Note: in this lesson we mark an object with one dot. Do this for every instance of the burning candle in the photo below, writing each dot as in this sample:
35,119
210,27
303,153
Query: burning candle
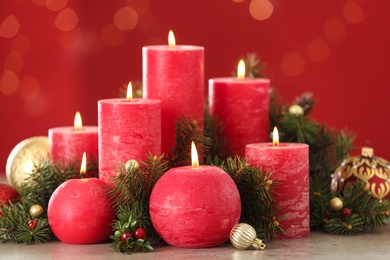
129,129
289,164
195,206
242,104
67,143
79,212
175,75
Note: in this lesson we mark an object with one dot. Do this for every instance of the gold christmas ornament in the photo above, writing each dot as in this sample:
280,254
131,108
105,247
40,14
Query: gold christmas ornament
131,164
373,170
336,204
243,236
296,110
36,211
21,160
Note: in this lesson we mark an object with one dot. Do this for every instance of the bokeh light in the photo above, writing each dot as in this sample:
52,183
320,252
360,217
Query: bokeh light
318,50
40,2
112,36
35,107
353,12
126,18
142,7
238,1
21,44
92,43
56,5
334,29
9,27
13,62
261,9
9,83
29,88
66,20
71,39
293,64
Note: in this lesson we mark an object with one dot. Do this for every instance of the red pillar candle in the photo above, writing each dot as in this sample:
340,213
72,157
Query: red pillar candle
68,143
289,164
195,206
128,129
242,104
175,75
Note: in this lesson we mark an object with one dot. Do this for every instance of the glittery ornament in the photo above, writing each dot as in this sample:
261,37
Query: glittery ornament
373,170
295,110
21,160
336,204
36,211
243,236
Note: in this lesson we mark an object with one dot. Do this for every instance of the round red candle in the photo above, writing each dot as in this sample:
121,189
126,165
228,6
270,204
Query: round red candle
289,164
195,207
175,75
79,212
129,129
243,107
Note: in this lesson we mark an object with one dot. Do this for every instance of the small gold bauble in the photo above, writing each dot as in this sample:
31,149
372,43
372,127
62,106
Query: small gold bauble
21,160
131,164
243,236
296,110
36,211
336,204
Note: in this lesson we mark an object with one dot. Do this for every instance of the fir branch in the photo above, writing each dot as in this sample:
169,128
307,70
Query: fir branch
306,101
41,234
253,66
350,226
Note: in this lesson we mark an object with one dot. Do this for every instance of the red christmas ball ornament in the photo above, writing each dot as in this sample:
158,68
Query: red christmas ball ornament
79,212
140,233
373,170
8,194
32,224
195,206
345,212
125,235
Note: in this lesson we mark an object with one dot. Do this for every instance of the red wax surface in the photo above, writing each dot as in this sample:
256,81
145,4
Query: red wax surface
289,163
68,144
128,130
80,213
175,75
195,207
243,107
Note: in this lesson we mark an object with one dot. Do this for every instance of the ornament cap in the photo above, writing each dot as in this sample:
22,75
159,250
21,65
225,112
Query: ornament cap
258,244
367,152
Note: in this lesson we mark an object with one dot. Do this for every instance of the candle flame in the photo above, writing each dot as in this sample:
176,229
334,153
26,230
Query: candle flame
171,38
83,168
129,94
78,123
194,155
275,139
241,70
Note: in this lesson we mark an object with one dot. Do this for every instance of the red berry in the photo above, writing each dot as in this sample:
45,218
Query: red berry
125,235
140,233
346,212
32,224
326,213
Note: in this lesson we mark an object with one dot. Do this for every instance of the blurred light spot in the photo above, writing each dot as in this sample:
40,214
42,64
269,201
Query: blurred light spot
9,83
293,64
35,107
334,29
56,5
238,1
13,62
261,9
140,6
9,27
318,50
112,36
29,88
126,18
66,20
353,12
40,2
92,43
71,39
21,44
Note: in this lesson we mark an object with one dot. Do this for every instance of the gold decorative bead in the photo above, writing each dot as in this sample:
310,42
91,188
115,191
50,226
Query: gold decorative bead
243,236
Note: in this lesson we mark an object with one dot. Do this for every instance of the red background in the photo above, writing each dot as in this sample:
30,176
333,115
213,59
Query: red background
339,50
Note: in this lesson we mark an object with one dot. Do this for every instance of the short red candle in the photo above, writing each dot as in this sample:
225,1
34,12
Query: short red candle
129,129
289,164
67,144
195,207
175,75
243,107
80,213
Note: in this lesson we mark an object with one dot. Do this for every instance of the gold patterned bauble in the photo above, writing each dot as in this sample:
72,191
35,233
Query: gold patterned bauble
36,211
296,110
336,204
21,160
373,170
243,236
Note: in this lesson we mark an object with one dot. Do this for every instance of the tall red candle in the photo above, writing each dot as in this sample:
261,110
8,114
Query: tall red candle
129,129
175,75
68,143
289,164
242,104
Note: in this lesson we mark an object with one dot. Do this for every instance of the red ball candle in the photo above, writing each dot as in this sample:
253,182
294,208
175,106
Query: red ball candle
242,104
79,212
195,206
289,164
68,143
129,129
175,75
